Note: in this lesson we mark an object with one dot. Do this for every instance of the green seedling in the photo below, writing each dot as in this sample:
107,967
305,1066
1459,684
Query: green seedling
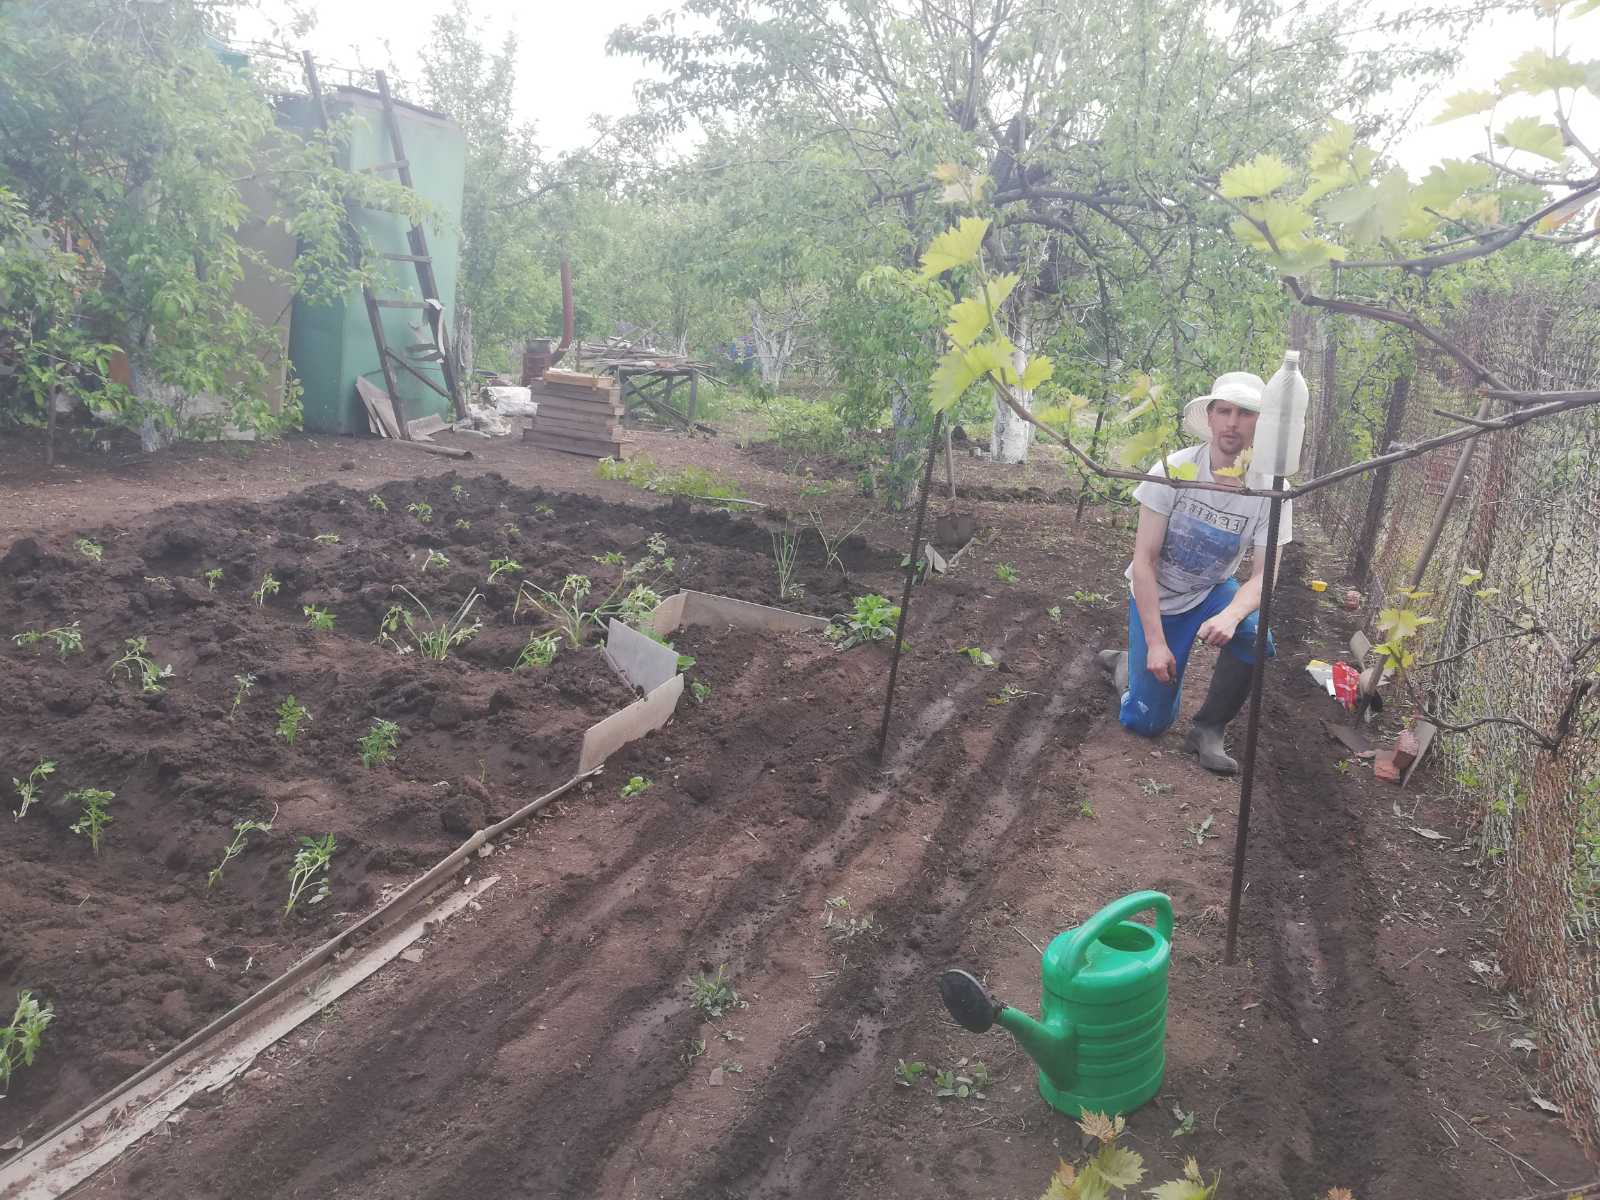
832,542
634,787
30,790
1154,787
1009,693
422,511
785,558
93,551
963,1081
269,587
461,523
510,530
849,928
20,1040
378,746
326,539
979,656
241,831
1202,831
435,639
310,870
1185,1120
502,566
906,1073
713,995
1089,599
543,510
1054,613
836,902
1087,810
318,618
700,690
1006,573
459,492
872,620
68,638
434,559
93,816
212,578
539,652
136,663
291,714
611,558
376,503
242,686
568,615
920,573
693,1048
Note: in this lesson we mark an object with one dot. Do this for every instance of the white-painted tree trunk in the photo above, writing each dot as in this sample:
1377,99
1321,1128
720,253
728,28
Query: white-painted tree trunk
1011,436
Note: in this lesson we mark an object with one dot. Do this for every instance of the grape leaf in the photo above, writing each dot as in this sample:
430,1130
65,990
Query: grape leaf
1534,136
1446,182
1466,104
951,380
1186,470
1350,204
1260,177
954,247
1101,1127
1181,1189
1332,149
1039,369
1119,1166
1536,71
969,317
1062,1183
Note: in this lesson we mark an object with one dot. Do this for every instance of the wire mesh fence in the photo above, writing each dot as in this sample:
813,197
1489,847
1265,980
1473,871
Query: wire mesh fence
1515,593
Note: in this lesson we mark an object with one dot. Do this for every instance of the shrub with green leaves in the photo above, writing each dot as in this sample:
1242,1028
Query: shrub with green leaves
242,686
422,511
291,714
539,652
1114,1169
502,566
318,618
635,786
21,1039
93,551
713,994
434,559
376,503
872,620
29,790
310,870
212,578
378,746
433,639
93,815
68,639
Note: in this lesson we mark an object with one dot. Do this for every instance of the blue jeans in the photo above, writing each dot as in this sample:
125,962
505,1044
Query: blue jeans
1150,706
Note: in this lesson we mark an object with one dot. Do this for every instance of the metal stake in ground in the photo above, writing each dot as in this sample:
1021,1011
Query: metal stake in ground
1247,767
911,578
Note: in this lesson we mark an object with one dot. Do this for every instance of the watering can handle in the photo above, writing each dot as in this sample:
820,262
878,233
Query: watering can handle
1119,910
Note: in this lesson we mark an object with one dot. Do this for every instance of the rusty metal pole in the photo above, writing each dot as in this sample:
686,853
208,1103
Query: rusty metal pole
911,578
1247,768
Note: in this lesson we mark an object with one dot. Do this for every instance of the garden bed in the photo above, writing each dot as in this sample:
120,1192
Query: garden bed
131,947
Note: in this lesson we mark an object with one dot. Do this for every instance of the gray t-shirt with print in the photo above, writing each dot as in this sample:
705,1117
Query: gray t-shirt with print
1207,532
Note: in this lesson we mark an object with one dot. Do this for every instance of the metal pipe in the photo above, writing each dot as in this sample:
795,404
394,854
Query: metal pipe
911,576
1248,766
566,312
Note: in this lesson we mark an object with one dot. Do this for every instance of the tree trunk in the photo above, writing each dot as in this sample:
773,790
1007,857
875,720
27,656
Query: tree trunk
900,481
1011,436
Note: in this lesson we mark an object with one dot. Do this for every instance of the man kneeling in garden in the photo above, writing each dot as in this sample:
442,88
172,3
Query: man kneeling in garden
1190,543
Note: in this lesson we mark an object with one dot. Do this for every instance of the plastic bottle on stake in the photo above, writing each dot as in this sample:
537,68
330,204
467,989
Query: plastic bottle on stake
1282,427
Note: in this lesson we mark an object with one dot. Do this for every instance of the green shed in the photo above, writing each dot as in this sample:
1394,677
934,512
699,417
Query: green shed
331,345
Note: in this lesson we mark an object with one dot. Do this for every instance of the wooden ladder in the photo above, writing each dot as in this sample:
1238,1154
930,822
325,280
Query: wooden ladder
430,305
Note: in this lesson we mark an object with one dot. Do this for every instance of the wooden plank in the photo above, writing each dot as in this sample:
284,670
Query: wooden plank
436,448
399,303
607,430
379,406
587,447
576,379
590,416
611,399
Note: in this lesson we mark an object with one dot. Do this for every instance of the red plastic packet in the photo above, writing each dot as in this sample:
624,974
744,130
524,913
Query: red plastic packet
1345,680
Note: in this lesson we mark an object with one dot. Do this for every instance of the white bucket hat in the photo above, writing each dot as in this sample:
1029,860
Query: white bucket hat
1236,387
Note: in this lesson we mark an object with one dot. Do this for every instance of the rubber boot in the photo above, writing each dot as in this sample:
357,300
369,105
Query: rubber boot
1115,663
1230,688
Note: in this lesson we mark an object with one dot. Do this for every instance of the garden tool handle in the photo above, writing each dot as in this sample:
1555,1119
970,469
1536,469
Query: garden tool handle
1119,910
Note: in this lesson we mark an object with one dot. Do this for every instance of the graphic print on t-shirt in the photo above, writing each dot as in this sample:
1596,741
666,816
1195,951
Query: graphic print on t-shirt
1203,545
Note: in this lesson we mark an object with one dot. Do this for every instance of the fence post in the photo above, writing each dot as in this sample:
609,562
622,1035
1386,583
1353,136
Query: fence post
1380,480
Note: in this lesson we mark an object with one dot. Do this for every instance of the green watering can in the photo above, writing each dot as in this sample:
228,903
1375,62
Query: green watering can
1101,1045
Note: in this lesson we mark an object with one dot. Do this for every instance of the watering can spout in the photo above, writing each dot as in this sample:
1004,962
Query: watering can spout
1051,1045
1053,1048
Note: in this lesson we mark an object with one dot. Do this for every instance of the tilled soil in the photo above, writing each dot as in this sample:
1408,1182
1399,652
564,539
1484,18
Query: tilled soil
546,1045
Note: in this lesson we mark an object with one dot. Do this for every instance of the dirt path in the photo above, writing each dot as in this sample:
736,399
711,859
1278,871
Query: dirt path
546,1045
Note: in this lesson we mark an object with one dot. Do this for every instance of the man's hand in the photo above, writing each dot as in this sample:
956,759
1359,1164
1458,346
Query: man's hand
1158,660
1218,630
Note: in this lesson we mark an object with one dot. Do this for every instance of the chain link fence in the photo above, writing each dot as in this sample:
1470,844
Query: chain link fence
1527,516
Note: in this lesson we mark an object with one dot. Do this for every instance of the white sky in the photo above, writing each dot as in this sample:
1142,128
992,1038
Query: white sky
565,74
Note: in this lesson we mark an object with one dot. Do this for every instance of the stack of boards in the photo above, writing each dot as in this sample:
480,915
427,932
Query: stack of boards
579,414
